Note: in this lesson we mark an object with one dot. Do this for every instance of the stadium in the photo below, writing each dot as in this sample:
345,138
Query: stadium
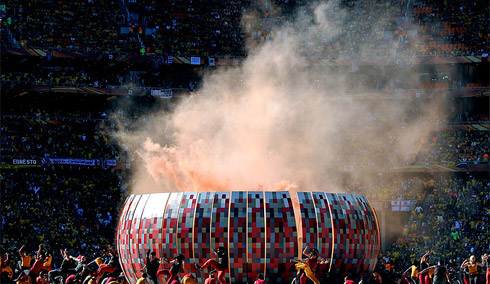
244,141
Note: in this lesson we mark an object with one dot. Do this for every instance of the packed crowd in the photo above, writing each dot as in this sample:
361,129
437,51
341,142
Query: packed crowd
451,222
449,148
77,25
373,28
52,135
127,26
191,28
96,73
82,215
158,73
361,28
388,187
90,197
461,26
69,76
25,136
35,126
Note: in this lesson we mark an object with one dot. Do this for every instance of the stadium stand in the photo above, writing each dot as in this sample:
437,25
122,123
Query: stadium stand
66,63
382,28
451,223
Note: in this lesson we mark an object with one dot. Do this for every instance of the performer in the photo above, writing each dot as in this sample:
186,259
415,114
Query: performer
436,273
173,273
377,278
67,267
427,274
347,280
414,270
43,277
306,269
5,269
221,264
424,263
485,259
25,259
260,279
152,265
38,263
188,279
143,280
109,266
210,279
472,266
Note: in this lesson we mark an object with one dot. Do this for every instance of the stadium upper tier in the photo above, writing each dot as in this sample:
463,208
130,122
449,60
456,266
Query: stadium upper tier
40,127
234,27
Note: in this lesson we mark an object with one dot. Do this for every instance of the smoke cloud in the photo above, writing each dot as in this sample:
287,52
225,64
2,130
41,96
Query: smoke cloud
276,122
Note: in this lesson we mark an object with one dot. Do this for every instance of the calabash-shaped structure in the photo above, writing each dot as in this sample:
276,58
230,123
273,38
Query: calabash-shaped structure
259,230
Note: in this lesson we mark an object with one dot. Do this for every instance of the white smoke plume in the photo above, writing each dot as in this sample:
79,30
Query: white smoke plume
278,122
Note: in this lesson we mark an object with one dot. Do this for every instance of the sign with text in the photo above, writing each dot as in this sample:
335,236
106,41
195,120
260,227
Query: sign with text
165,93
76,162
25,162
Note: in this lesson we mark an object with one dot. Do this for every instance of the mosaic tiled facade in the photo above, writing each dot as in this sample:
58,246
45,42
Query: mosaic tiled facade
238,237
256,235
258,229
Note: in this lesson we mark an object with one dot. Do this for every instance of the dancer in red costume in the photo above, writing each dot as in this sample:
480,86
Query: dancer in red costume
220,265
173,272
424,264
485,259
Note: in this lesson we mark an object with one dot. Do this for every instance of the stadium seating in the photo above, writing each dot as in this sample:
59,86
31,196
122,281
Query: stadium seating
451,224
372,28
75,206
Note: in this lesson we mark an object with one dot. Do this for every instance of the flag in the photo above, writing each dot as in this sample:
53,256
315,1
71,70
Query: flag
195,60
395,205
405,206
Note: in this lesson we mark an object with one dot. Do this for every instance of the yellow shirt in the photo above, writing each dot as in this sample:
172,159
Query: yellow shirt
473,269
47,262
431,271
188,280
415,270
99,261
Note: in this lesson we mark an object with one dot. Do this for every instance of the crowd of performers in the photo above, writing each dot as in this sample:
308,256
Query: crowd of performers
219,267
38,269
305,269
467,272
